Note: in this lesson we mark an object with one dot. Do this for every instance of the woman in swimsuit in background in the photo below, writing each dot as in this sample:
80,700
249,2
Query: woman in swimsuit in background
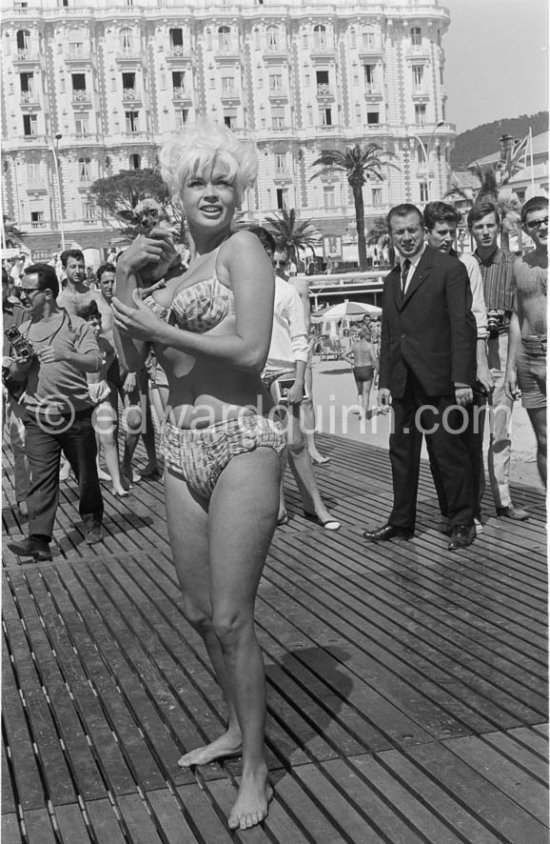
210,328
364,363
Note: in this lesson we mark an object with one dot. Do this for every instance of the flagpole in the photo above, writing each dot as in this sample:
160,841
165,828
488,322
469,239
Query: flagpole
532,168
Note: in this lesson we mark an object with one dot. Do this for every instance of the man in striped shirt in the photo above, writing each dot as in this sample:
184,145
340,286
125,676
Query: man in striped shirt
497,271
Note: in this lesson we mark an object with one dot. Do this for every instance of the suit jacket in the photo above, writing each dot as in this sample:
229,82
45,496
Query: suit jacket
431,330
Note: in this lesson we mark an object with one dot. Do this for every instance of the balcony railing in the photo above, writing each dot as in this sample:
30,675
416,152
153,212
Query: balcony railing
324,90
81,97
27,54
130,95
28,98
80,54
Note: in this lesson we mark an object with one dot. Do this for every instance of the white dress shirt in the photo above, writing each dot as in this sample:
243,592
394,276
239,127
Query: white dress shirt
289,336
412,269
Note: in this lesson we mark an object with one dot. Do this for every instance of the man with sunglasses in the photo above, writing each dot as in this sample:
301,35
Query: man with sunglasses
57,411
526,367
497,270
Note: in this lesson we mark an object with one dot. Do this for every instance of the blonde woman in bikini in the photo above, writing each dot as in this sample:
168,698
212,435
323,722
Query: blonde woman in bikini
210,328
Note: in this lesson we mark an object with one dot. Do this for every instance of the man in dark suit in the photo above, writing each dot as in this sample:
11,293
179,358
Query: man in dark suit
427,369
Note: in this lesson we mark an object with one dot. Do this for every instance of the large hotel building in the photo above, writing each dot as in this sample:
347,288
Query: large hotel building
89,89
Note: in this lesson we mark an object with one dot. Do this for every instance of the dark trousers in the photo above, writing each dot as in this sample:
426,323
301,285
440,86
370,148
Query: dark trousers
44,444
473,438
435,417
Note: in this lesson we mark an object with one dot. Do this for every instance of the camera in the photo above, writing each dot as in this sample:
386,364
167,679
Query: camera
20,344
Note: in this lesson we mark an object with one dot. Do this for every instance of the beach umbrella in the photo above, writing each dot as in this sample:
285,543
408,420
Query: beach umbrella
351,309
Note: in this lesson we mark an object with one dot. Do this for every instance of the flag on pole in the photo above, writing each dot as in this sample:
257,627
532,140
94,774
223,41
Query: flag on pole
518,158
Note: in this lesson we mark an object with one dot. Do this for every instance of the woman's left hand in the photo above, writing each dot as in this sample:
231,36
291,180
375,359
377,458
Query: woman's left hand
139,322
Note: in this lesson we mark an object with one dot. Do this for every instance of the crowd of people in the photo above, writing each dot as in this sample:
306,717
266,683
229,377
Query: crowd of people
220,347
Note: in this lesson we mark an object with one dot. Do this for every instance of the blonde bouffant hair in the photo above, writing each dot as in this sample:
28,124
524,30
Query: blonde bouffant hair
194,151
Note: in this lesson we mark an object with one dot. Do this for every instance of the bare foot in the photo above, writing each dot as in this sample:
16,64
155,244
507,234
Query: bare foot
251,805
222,748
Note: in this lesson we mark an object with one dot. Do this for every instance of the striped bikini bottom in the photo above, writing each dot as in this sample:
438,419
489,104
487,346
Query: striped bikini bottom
199,455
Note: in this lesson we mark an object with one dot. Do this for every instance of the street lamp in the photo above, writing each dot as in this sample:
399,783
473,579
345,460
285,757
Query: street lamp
426,150
58,186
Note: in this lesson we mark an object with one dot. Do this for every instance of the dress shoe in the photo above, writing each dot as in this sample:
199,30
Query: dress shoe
37,548
386,532
512,512
461,537
93,534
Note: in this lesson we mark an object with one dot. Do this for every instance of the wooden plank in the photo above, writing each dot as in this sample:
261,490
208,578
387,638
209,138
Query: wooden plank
171,818
500,814
223,794
525,747
203,815
138,822
29,788
71,825
38,827
11,832
510,777
105,822
8,797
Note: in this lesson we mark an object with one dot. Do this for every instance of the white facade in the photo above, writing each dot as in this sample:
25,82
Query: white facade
97,90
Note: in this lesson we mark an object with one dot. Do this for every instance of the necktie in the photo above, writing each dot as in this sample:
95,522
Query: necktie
405,267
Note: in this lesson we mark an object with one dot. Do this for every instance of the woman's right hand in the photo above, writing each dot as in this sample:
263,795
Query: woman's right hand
151,255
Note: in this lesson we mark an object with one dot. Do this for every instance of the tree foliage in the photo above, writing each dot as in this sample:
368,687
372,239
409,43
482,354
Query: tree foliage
360,164
117,197
295,234
12,235
476,143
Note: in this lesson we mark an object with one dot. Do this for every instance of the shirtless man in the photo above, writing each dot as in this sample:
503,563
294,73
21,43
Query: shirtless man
526,364
76,293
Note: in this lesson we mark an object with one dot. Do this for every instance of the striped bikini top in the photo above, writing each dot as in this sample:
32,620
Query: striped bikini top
198,307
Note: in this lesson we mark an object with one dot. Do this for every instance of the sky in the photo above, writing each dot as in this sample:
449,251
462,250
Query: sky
496,60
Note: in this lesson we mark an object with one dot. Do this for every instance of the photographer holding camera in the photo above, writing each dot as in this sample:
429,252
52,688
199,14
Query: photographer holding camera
51,356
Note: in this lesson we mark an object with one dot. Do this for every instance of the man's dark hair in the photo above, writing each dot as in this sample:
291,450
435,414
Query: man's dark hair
440,212
71,253
88,311
105,268
403,210
264,236
480,210
47,277
536,203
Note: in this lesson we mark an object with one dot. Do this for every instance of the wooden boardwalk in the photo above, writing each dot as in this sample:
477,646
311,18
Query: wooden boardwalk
406,685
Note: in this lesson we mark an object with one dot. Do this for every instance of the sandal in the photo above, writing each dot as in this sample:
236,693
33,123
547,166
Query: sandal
328,524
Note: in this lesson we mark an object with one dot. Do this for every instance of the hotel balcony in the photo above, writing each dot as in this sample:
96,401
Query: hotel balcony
373,92
131,97
324,92
29,101
420,94
176,54
28,56
81,56
81,98
182,97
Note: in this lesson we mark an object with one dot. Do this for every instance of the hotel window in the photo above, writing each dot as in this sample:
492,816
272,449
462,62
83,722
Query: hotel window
272,33
373,118
81,125
176,41
135,161
23,39
322,81
368,39
181,117
377,197
128,84
423,191
78,84
420,114
30,125
76,43
370,76
230,117
84,169
325,117
319,37
418,77
328,197
33,172
37,219
280,162
88,211
126,41
27,85
224,38
278,117
228,86
281,198
275,82
132,122
416,36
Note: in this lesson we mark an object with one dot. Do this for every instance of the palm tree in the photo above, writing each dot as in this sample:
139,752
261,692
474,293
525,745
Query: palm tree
294,234
359,164
13,237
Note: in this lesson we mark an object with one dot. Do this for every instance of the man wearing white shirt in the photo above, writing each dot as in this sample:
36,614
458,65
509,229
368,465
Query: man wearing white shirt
286,360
